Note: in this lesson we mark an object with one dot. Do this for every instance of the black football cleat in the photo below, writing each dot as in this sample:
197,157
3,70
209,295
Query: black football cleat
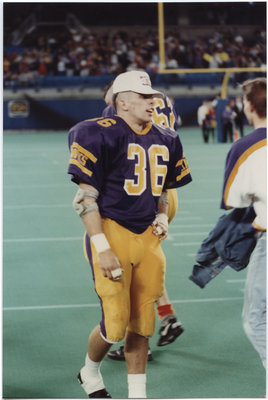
119,354
170,330
100,394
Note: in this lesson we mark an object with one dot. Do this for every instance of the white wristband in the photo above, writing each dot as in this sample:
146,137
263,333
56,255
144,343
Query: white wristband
100,242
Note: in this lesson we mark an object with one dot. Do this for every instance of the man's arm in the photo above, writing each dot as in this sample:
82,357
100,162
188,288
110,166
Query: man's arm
92,221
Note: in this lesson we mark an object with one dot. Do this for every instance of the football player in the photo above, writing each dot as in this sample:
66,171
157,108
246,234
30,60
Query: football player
124,166
165,115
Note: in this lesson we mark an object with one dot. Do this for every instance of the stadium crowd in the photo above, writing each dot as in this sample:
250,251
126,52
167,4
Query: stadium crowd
93,54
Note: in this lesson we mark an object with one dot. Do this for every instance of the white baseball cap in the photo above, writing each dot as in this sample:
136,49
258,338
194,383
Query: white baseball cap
134,81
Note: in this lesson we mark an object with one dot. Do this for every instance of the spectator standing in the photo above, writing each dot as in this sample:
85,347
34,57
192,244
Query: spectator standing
245,184
228,117
240,116
203,121
212,121
61,65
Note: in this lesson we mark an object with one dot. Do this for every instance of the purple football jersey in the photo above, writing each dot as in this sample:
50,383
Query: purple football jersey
128,168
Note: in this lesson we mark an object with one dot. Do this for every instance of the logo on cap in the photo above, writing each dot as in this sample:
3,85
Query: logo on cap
145,80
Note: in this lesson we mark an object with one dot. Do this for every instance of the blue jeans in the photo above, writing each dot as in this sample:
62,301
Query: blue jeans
254,309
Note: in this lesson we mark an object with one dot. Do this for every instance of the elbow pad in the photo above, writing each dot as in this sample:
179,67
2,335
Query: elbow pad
86,207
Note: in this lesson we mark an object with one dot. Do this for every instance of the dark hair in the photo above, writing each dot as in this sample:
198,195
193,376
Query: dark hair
107,88
255,92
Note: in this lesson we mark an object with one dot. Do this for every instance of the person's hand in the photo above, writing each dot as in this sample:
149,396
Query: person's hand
160,226
110,265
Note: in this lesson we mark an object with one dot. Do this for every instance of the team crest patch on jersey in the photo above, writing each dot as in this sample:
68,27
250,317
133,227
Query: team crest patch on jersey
183,168
79,157
81,154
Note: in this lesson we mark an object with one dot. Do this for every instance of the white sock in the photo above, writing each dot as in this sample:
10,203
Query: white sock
91,366
136,386
91,376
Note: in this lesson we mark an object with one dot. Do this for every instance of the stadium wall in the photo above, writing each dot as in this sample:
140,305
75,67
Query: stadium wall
59,110
62,114
49,114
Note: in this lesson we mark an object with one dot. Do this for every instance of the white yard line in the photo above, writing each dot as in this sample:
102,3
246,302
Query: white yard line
187,233
30,206
179,226
37,185
51,239
208,200
66,239
181,244
64,306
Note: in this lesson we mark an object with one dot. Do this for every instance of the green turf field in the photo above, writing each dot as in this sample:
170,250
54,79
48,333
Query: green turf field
49,301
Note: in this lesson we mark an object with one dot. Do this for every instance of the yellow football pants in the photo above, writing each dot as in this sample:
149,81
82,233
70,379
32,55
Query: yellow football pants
129,303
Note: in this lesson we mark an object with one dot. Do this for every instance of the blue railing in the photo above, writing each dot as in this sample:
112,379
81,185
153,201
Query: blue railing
61,82
166,80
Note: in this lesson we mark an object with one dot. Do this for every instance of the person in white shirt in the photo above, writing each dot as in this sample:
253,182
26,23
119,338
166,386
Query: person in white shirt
202,113
245,184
